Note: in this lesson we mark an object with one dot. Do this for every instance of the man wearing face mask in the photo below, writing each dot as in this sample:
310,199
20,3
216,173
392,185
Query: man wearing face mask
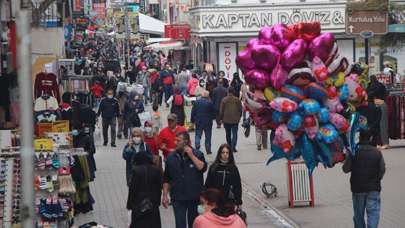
135,145
183,178
109,111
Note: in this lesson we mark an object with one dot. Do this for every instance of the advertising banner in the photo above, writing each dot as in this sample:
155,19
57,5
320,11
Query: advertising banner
226,58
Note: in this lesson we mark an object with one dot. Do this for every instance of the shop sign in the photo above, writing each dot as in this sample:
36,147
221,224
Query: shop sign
251,19
177,31
372,21
226,58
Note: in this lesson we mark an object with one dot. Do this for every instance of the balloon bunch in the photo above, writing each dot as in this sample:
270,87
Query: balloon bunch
301,88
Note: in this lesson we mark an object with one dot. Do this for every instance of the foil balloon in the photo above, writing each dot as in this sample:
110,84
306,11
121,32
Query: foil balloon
252,42
308,31
340,123
259,78
283,138
278,153
308,153
324,153
265,56
323,115
344,93
311,126
310,106
283,104
252,104
270,94
265,35
354,132
278,76
321,46
295,122
293,92
327,133
333,101
278,117
244,60
319,69
337,148
356,92
300,76
316,91
281,36
294,54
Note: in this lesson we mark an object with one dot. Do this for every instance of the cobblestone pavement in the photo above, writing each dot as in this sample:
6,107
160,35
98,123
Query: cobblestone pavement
333,205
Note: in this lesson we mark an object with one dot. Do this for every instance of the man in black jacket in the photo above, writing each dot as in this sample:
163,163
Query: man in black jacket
217,96
367,168
109,111
184,179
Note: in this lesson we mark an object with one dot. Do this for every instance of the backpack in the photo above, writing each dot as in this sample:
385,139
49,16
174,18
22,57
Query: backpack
178,100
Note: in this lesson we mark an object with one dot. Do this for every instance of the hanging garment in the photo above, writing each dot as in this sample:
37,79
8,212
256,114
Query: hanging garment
46,83
44,103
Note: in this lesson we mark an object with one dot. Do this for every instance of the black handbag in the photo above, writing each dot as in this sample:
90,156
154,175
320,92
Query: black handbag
145,207
246,127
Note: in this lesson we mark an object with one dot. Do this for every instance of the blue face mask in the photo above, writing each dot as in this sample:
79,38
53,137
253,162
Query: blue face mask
75,132
200,209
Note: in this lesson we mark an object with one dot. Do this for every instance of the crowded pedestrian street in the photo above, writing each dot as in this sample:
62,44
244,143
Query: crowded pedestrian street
202,114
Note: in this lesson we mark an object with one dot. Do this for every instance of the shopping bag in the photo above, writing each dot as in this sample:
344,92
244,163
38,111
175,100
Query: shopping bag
97,134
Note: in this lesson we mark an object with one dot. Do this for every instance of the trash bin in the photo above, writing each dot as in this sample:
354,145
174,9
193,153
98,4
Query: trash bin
300,184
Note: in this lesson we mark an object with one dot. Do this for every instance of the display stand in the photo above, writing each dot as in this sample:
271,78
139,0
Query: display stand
300,184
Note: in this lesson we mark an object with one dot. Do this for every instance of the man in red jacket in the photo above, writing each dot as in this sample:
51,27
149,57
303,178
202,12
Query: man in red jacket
167,136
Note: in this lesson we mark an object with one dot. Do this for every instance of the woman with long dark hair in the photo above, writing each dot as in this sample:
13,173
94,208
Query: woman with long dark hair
223,174
236,83
215,212
377,93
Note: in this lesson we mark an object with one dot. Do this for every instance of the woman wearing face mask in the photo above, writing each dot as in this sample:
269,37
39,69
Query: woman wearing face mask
135,145
223,174
200,88
151,140
215,212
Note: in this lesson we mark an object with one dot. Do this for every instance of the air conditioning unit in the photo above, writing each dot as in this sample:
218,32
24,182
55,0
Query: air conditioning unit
263,1
234,1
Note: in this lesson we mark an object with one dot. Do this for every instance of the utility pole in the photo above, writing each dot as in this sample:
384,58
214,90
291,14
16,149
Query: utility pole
26,122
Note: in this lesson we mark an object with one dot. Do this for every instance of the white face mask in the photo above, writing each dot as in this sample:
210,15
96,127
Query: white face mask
200,209
148,129
137,140
110,96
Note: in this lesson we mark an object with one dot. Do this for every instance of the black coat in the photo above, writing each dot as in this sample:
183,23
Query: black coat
367,168
225,177
218,95
146,182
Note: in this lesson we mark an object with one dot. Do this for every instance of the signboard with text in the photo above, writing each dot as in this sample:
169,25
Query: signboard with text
226,58
371,21
243,20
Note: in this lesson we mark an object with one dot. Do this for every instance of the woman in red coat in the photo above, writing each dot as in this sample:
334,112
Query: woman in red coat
151,138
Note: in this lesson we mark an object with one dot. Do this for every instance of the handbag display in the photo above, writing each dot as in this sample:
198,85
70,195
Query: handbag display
145,207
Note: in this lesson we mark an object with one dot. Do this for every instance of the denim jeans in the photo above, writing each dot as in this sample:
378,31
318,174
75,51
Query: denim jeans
207,132
168,90
146,94
231,131
369,202
185,211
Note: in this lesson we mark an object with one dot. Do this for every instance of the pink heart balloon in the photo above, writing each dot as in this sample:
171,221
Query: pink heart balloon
322,46
278,77
244,60
252,42
265,56
294,54
281,36
259,78
265,35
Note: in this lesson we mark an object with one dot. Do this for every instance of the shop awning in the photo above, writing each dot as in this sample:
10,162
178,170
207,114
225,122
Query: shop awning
151,25
157,40
170,45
